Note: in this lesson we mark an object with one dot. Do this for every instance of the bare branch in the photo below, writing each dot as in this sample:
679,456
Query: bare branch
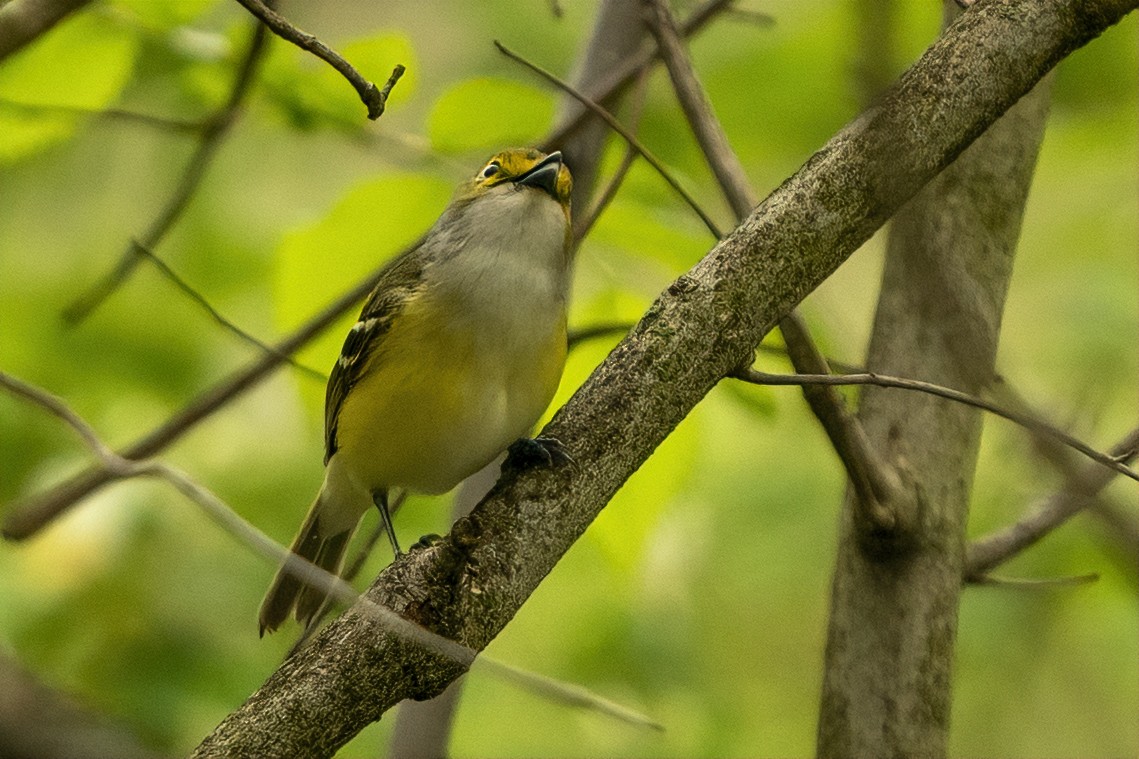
605,329
375,98
986,553
881,380
146,119
1023,583
583,223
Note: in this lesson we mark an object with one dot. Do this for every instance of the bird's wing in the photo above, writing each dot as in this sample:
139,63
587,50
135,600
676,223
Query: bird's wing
397,284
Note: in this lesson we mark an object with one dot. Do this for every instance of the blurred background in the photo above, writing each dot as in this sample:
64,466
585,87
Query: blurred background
700,595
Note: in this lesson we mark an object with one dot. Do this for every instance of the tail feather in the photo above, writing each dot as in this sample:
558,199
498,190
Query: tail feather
287,592
329,556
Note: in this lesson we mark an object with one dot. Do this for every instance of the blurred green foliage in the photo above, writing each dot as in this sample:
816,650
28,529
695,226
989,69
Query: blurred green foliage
700,595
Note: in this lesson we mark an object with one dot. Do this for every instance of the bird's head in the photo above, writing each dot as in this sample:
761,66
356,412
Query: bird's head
521,170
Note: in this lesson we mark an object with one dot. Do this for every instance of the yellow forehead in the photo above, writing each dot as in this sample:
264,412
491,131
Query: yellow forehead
516,161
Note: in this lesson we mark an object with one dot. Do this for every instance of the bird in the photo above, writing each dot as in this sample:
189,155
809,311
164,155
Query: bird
458,351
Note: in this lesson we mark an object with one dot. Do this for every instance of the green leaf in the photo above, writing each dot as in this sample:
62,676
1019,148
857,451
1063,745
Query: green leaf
486,114
81,64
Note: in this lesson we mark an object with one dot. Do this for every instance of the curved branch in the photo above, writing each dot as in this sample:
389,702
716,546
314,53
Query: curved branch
988,552
1113,461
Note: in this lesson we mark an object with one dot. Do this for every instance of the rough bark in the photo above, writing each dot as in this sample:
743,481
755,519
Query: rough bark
471,583
893,620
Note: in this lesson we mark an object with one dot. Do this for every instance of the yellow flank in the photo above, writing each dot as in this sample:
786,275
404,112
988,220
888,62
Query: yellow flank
442,397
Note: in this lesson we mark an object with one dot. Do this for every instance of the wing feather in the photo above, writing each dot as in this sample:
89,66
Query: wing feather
397,283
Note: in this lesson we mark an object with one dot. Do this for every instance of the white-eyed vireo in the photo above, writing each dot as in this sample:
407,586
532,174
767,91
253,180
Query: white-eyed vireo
458,351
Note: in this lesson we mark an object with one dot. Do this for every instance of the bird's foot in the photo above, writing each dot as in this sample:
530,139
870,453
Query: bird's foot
546,451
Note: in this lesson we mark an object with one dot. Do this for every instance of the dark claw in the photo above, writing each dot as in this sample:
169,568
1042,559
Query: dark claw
547,451
427,541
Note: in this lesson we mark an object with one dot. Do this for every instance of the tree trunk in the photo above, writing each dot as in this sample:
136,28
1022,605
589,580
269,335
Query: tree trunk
889,657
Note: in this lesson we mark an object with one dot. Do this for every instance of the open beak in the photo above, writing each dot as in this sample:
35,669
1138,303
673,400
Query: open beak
544,175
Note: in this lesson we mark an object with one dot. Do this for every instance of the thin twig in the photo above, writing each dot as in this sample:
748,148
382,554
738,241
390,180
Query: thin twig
567,693
375,98
620,129
1081,489
583,223
59,409
758,18
217,316
210,139
877,485
881,380
605,329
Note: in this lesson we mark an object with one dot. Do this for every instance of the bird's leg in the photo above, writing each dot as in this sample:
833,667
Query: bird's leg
547,451
380,498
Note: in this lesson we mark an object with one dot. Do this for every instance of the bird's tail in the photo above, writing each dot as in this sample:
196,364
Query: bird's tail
291,594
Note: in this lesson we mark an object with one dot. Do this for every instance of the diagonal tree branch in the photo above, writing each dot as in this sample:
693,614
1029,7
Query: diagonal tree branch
1082,486
470,584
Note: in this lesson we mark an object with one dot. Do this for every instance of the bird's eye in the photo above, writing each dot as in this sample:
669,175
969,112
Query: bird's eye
490,170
